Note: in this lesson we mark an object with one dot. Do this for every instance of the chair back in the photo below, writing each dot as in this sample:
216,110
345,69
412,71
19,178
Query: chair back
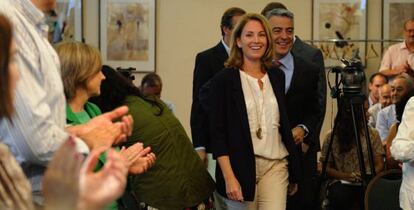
383,191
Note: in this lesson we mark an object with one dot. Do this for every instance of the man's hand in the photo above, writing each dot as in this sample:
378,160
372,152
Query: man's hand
125,125
298,134
203,156
102,131
292,188
401,68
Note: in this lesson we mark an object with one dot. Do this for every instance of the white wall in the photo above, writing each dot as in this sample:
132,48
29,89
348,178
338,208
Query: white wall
186,27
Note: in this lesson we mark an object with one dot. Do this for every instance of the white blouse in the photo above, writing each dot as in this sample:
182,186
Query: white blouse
261,105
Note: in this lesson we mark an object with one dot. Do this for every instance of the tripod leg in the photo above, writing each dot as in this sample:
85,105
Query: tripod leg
357,138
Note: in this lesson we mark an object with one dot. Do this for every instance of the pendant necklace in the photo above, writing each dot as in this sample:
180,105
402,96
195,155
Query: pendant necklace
258,115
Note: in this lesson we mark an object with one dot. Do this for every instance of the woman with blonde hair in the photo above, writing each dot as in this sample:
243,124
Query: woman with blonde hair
81,67
250,133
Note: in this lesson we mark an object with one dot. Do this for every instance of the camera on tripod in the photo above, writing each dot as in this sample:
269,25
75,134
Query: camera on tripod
352,78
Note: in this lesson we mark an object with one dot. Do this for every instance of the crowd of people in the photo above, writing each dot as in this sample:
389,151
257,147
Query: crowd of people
77,134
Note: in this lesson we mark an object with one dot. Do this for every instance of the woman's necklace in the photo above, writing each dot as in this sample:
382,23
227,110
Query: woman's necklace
259,115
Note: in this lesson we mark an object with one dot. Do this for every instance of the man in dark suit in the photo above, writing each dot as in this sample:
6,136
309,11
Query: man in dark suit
310,54
207,64
302,102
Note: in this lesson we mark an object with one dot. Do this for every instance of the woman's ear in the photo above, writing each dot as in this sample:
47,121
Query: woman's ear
238,42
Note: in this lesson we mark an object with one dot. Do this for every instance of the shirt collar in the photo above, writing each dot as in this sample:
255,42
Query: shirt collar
225,47
30,11
287,60
403,46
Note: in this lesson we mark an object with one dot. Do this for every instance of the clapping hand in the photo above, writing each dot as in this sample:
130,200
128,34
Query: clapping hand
98,189
138,159
61,180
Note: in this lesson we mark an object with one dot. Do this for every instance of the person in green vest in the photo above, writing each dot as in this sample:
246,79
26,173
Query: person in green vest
178,179
81,75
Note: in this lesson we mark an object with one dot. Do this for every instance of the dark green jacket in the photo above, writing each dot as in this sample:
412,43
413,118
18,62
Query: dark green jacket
178,178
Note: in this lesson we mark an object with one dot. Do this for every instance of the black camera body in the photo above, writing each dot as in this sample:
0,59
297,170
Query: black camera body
127,72
352,76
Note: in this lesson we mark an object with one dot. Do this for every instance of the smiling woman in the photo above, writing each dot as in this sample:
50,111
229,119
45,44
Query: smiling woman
256,158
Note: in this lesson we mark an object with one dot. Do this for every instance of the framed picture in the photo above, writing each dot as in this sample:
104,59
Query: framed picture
127,34
340,27
65,22
396,12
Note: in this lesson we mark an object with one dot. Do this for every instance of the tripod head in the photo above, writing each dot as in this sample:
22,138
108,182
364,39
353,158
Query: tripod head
352,78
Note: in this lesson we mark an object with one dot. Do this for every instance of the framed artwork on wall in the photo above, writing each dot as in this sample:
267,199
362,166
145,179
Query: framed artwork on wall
65,22
396,12
338,25
127,34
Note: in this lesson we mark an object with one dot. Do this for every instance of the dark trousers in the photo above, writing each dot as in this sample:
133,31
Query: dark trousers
307,197
345,197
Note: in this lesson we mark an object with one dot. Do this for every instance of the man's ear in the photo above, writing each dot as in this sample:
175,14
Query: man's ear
226,30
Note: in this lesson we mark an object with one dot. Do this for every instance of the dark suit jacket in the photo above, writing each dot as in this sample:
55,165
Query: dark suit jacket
230,132
314,55
303,108
207,64
302,99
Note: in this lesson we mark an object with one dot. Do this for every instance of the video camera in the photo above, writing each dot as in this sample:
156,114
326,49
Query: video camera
352,78
127,72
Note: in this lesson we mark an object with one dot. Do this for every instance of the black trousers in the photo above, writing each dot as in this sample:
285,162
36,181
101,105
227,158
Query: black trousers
345,197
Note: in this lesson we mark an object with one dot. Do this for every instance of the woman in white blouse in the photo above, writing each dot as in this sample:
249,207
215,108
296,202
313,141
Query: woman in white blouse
250,134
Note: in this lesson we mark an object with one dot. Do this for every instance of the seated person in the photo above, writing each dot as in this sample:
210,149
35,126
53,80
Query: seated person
375,82
178,178
386,117
399,109
151,84
384,101
345,191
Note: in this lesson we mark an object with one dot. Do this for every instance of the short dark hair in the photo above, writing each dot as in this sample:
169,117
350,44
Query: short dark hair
371,78
151,80
271,6
280,13
226,19
6,102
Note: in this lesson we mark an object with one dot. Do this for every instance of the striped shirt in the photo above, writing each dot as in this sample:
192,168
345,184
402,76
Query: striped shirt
37,128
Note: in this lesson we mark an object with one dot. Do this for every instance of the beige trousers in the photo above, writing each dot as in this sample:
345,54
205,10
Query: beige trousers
271,185
271,188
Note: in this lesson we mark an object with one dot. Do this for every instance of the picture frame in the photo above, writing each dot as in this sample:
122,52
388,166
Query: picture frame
339,27
395,13
127,34
66,22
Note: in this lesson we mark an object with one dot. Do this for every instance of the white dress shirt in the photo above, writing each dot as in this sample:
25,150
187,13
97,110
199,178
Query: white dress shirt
37,128
402,149
271,145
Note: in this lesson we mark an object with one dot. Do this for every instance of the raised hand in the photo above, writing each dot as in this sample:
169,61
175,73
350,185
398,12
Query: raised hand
61,180
98,189
139,159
